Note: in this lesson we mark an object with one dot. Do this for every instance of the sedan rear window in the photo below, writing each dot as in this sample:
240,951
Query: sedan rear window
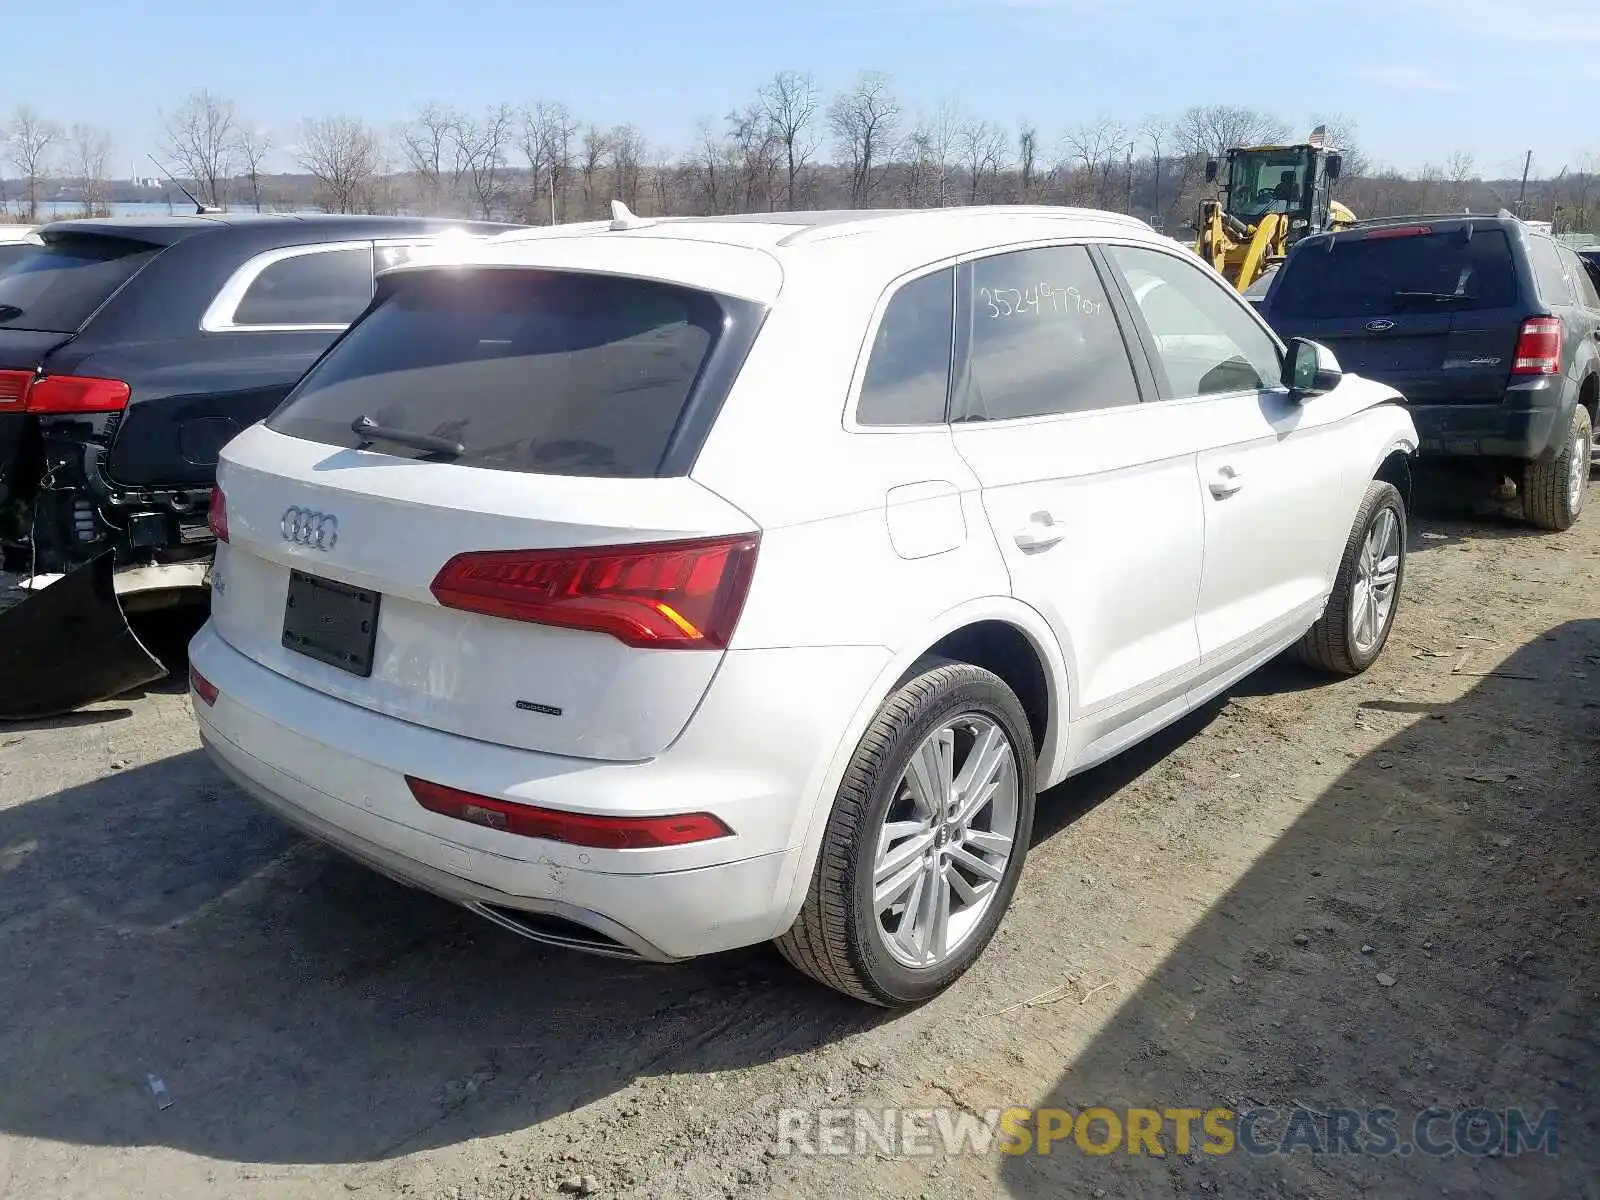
1433,272
56,287
547,372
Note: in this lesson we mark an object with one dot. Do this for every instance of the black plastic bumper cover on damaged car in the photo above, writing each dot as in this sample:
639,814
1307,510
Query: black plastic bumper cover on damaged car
69,644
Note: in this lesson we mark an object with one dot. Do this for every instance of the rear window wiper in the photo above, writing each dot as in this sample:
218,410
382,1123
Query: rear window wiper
1436,297
370,431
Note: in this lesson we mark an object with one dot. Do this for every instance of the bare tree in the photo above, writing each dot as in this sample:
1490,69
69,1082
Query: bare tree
710,167
1027,163
91,148
433,148
200,135
1208,130
982,146
345,156
1342,135
591,159
790,102
483,146
1458,170
1094,148
30,141
252,143
547,133
756,149
1155,132
627,163
865,120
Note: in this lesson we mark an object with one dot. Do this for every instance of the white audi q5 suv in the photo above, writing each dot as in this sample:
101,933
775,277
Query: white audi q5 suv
679,584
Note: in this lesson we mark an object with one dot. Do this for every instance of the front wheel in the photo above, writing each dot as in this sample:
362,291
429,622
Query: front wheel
925,843
1366,593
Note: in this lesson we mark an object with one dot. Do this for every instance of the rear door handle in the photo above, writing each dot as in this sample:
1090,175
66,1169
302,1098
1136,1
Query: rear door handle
1226,482
1040,533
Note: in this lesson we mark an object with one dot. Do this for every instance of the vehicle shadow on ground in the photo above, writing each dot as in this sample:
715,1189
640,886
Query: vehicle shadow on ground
1423,935
300,1008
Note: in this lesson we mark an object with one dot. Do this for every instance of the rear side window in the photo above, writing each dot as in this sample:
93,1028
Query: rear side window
1582,283
1044,338
56,287
1550,271
908,372
548,372
327,287
1361,277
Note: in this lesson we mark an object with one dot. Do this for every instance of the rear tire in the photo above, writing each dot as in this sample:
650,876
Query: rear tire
1366,593
886,849
1553,491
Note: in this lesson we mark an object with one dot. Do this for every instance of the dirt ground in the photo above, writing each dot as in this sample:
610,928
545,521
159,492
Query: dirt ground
1375,893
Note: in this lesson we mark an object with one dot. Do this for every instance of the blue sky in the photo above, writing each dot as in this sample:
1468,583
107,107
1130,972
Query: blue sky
1421,78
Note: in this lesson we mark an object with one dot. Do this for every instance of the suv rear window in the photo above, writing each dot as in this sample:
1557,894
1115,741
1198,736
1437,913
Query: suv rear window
555,373
56,287
1423,272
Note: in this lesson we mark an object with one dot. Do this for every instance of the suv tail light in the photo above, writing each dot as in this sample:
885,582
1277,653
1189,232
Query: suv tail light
14,389
217,517
1538,347
673,595
1394,231
67,395
576,829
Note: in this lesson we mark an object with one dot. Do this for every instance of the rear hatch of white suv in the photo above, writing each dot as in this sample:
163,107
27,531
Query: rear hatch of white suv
474,513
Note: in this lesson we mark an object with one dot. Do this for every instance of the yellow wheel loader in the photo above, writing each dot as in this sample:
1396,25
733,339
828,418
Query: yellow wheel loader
1272,197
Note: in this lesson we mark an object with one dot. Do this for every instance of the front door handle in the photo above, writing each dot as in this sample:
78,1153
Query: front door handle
1226,482
1040,533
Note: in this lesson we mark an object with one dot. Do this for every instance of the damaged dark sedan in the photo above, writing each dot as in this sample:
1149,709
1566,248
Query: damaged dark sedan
131,351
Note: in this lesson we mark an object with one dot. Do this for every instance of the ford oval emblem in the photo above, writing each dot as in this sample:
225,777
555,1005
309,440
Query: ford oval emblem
1380,326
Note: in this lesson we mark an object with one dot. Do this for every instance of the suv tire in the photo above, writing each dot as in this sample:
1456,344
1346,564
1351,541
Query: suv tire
949,713
1554,489
1374,559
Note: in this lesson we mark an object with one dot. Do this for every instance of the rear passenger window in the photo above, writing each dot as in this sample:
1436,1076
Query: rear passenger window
327,287
908,373
1582,282
1547,268
1044,338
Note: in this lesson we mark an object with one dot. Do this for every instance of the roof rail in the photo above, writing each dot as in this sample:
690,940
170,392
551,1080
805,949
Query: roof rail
825,232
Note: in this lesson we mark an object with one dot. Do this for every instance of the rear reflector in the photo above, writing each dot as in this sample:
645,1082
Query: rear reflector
217,518
14,389
1394,231
1538,347
671,595
576,829
67,395
203,687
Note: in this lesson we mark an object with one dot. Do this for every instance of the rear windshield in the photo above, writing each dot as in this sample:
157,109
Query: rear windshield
555,373
1420,273
57,287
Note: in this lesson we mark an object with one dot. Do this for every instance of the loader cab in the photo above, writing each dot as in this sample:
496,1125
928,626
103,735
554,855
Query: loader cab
1293,180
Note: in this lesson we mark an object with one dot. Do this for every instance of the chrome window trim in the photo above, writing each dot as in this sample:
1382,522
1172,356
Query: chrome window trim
219,315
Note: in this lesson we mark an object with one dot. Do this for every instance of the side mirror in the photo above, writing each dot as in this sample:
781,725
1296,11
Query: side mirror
1335,165
1310,369
1211,170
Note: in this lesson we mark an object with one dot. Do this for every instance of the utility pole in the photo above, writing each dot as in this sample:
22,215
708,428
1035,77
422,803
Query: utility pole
552,197
1130,179
1522,195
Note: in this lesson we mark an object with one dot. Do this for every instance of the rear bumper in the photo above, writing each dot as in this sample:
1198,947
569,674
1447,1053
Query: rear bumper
338,771
1527,425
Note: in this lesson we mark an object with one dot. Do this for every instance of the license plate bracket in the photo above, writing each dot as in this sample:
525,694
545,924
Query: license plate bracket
331,622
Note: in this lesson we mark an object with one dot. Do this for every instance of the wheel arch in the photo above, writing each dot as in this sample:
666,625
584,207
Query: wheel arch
1000,630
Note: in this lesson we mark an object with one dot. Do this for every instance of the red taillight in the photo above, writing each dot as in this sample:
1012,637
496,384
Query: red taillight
577,829
14,389
1394,231
673,595
203,687
1538,347
66,395
217,518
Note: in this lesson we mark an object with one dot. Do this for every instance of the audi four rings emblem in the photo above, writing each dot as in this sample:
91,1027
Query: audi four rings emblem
317,530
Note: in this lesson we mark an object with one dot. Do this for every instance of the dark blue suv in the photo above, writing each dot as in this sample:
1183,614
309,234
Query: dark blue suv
1489,328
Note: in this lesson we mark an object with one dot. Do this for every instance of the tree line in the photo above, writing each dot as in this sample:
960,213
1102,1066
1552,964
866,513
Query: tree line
789,146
